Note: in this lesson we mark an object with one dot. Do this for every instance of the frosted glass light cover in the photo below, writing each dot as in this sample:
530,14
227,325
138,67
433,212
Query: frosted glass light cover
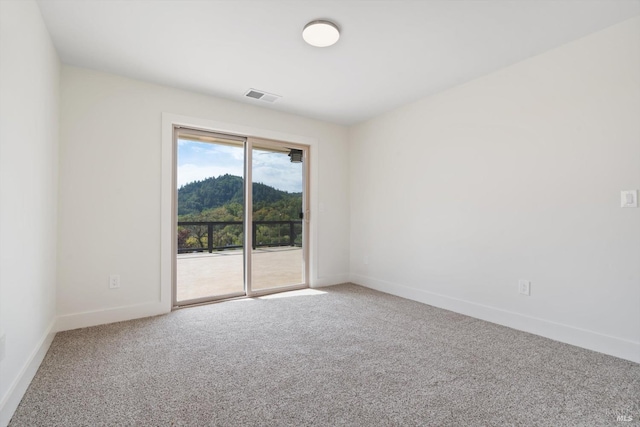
321,33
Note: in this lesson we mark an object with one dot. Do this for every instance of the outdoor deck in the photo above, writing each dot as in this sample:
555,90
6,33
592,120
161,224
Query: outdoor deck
221,272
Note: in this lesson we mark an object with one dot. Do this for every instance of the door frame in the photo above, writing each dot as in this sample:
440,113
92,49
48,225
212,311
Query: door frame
248,194
242,141
248,214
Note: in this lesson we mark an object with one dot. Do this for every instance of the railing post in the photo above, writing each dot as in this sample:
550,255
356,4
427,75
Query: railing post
254,234
292,237
210,237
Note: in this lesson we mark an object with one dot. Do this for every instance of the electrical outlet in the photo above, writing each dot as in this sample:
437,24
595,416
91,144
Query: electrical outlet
3,351
114,281
365,260
524,287
629,199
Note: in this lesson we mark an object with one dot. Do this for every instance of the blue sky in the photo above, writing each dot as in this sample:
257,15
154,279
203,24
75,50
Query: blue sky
200,160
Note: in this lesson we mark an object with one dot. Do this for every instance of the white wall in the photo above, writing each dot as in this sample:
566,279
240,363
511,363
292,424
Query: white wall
516,175
110,190
29,88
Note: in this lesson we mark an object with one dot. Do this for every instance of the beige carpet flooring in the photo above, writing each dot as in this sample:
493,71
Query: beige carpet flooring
338,356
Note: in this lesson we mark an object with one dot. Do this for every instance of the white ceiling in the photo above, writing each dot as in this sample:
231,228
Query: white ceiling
390,52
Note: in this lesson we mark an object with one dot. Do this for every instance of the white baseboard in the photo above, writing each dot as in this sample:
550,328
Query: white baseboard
614,346
322,282
11,400
101,317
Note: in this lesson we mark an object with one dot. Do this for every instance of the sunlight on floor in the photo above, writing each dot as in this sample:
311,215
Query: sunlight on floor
298,293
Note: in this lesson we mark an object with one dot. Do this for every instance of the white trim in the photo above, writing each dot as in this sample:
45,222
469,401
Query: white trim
18,388
324,281
110,315
169,120
614,346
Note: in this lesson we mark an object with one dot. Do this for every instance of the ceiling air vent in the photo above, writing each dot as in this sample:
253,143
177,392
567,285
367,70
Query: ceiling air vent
262,95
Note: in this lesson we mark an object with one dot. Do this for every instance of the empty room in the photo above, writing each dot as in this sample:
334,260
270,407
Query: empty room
291,213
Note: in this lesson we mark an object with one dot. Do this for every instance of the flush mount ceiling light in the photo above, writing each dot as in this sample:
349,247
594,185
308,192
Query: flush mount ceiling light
321,33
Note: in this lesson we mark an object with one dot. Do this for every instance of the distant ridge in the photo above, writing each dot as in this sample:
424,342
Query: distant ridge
212,193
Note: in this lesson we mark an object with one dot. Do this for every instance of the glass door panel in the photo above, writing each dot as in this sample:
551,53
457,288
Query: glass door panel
235,193
278,187
210,209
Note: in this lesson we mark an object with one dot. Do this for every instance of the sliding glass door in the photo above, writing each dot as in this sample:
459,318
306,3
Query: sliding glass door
240,225
210,216
277,233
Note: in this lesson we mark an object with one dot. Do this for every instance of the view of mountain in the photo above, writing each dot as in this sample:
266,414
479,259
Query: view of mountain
219,199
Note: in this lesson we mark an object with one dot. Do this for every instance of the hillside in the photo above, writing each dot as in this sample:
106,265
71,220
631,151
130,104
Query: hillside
220,199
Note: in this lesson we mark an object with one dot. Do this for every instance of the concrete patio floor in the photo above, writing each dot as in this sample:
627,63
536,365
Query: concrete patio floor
202,275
